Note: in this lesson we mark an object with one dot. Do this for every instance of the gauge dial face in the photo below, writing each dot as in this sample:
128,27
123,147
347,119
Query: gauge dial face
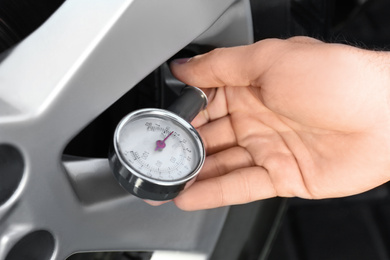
159,147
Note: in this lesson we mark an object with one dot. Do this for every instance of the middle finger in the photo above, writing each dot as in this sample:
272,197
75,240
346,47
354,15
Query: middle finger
218,135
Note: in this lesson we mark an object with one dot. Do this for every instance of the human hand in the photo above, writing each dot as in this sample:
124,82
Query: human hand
294,117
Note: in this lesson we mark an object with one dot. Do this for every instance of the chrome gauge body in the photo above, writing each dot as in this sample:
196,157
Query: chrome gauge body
156,153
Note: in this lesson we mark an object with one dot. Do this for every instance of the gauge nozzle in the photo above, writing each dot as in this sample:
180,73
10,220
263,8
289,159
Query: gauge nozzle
191,101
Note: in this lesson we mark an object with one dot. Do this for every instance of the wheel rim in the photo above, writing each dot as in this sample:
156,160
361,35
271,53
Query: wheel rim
53,87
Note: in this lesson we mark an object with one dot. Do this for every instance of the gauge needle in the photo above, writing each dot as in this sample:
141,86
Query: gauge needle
160,144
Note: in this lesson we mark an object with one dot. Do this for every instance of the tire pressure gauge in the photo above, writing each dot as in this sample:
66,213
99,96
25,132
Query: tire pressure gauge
157,152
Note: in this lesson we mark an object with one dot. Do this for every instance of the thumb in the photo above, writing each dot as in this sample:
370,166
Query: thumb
235,66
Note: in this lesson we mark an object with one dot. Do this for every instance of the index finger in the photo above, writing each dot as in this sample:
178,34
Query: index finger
234,66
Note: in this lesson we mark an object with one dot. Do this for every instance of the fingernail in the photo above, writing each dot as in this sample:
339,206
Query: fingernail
181,61
155,203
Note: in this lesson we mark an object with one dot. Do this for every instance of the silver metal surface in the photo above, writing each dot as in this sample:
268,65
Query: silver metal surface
85,57
169,255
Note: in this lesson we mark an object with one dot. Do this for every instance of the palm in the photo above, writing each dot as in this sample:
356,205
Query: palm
303,160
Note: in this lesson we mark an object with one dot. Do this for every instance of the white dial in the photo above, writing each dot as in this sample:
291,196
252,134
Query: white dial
157,153
158,147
